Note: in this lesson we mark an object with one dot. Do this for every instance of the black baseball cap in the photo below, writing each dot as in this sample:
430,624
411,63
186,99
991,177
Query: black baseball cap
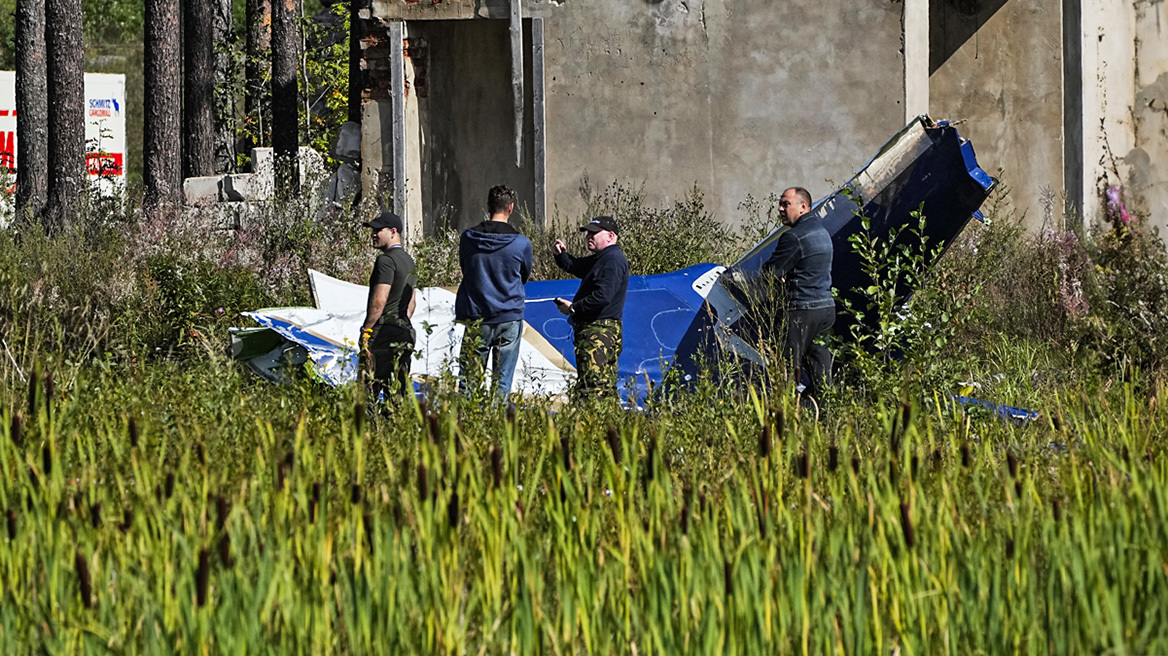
600,223
385,220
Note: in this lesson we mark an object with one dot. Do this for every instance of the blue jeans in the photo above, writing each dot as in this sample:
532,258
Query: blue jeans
501,342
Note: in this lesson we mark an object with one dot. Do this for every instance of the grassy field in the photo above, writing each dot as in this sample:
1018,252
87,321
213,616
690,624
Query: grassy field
157,498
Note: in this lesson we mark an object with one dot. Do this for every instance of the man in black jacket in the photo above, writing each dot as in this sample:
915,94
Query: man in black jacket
802,260
596,309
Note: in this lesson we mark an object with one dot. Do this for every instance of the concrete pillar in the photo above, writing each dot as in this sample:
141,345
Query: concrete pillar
916,58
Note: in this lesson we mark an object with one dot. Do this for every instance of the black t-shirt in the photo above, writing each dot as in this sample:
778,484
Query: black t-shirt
395,268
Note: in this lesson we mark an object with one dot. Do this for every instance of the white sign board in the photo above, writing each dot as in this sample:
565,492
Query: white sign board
105,130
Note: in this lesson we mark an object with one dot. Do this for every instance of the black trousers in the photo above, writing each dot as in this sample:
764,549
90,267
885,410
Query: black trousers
801,351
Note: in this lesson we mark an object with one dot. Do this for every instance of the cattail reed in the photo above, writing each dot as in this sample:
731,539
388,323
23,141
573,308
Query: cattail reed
1018,488
566,453
11,517
435,427
650,457
906,526
49,394
132,428
453,513
614,444
168,488
95,515
47,460
762,508
127,520
202,576
802,464
355,494
496,456
200,455
511,414
684,519
1012,463
83,582
779,421
764,441
17,430
893,471
314,501
937,457
728,578
423,486
222,509
1009,548
368,529
856,465
832,458
702,502
1123,453
966,456
32,391
358,417
225,551
1056,508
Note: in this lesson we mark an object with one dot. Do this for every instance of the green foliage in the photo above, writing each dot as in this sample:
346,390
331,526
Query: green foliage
1130,319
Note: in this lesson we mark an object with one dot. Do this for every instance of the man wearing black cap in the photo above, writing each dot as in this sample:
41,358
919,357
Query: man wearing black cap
596,309
387,336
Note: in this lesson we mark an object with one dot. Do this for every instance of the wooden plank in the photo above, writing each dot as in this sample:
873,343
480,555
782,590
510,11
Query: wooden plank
398,98
539,166
517,76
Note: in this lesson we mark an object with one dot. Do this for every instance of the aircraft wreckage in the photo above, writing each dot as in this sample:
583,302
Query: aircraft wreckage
671,320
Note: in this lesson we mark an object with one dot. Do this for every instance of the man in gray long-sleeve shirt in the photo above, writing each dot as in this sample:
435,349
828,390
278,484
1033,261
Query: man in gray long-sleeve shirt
802,259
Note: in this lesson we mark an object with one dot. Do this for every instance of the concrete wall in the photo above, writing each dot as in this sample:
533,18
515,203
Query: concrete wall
738,96
1125,106
998,64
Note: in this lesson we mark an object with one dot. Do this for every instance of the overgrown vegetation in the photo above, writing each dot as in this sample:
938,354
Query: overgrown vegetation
157,498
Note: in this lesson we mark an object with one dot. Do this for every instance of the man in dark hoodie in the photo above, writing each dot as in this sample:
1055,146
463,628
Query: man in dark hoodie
496,262
596,309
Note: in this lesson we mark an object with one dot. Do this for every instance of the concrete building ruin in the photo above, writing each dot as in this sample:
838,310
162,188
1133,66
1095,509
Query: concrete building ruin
746,97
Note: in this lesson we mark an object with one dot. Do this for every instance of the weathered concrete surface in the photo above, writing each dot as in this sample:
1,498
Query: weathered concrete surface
1125,101
999,65
741,97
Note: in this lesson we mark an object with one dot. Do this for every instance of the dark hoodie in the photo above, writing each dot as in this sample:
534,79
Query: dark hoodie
495,261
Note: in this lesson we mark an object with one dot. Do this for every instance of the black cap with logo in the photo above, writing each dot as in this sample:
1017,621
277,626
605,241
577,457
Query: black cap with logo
600,223
385,220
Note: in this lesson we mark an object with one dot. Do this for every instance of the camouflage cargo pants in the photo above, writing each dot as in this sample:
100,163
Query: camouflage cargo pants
598,346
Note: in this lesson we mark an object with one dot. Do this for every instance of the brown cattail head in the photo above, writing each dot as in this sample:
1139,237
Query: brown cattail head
423,486
511,413
763,507
423,406
127,520
47,460
222,509
1123,453
684,519
132,427
764,441
937,457
856,465
893,471
496,455
82,567
314,501
95,515
916,465
358,417
11,517
728,578
200,456
832,458
368,529
1056,508
803,464
650,459
779,420
202,576
32,392
702,502
355,493
453,513
614,444
566,453
434,426
17,430
1018,488
906,525
49,393
1012,463
1010,548
966,456
225,551
168,487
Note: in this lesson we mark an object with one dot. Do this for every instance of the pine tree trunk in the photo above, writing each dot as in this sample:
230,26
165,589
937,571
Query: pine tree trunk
257,68
68,178
285,95
32,110
224,98
198,88
162,98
